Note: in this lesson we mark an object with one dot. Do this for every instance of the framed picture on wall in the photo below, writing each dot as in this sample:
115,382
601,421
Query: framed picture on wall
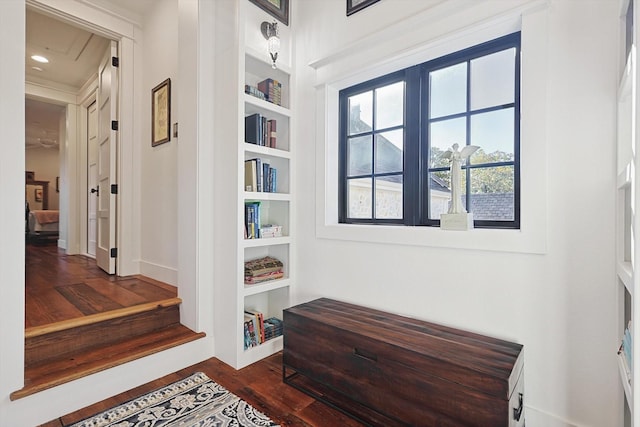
279,9
38,194
354,6
161,113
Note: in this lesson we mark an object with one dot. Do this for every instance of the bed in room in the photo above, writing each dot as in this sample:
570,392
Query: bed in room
42,224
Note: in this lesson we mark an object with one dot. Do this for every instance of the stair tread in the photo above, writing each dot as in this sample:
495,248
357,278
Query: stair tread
59,371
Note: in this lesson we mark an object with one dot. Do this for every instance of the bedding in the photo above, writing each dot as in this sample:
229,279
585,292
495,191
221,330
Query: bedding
43,223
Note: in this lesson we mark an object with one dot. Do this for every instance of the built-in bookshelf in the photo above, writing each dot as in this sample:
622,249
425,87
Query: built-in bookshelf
254,189
627,223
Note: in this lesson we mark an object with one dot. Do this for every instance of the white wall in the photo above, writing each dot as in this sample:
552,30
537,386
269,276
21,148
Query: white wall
158,198
560,304
80,393
45,162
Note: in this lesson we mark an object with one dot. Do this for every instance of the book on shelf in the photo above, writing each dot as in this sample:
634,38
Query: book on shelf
272,90
626,348
250,175
262,269
252,220
259,176
250,337
270,230
260,130
258,330
254,91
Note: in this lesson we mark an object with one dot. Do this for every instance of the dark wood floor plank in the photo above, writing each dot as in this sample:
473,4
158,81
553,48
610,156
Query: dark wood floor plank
145,289
86,299
48,267
48,306
115,292
300,410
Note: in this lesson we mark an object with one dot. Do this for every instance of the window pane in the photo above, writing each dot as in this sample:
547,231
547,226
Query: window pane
448,88
359,155
492,193
389,197
389,151
360,113
359,198
390,105
442,135
493,133
439,193
493,79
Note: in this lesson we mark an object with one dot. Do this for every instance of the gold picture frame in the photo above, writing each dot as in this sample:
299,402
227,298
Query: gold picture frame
161,113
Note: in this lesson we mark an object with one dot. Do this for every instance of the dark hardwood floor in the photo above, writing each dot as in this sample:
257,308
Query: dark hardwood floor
61,287
260,384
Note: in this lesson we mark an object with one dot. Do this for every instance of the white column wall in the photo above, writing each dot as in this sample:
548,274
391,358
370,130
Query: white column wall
561,304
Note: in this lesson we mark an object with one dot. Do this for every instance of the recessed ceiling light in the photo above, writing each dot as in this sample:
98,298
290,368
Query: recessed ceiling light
39,58
37,68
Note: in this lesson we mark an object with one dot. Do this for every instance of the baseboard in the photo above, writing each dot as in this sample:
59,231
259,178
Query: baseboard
537,418
62,244
159,272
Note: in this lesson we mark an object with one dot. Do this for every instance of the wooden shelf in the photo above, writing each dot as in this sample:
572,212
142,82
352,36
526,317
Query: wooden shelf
266,151
624,379
271,241
264,105
260,196
266,287
625,274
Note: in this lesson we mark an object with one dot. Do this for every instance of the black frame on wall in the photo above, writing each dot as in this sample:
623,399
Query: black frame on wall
354,6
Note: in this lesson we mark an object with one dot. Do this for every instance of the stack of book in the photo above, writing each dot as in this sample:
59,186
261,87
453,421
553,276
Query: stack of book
260,176
252,220
260,130
257,330
254,91
262,269
626,349
272,89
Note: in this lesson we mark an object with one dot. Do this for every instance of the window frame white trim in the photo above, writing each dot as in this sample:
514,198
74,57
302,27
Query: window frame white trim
532,235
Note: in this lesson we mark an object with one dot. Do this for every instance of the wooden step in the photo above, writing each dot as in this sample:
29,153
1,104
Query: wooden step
58,371
70,337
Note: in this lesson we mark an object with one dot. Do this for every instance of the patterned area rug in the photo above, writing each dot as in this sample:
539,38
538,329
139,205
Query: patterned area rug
196,401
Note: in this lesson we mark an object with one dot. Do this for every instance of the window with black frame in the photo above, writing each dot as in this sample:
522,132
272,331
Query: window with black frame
395,129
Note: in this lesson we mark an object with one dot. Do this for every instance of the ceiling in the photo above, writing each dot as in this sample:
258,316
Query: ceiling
74,56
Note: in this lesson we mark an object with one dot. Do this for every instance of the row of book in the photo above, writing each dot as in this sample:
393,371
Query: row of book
258,330
253,227
269,90
626,349
260,130
260,176
272,90
262,270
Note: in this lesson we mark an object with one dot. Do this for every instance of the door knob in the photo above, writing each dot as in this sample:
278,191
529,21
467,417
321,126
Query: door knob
96,190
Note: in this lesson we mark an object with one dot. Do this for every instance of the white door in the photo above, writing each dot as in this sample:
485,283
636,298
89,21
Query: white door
92,178
107,142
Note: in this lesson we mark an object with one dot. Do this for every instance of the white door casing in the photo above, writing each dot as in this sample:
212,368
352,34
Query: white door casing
107,101
92,177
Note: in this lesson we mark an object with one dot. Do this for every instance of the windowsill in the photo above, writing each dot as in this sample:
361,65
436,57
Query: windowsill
336,73
499,240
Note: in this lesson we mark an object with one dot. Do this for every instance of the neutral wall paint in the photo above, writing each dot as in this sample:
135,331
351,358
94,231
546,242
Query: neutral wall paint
45,162
46,405
159,195
562,304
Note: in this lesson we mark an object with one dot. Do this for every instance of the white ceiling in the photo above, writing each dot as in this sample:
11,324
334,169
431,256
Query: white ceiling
74,56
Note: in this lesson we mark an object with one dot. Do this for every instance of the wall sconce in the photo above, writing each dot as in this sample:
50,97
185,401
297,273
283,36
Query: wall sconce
270,32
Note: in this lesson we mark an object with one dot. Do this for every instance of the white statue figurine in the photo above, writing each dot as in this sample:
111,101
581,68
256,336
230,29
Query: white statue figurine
456,158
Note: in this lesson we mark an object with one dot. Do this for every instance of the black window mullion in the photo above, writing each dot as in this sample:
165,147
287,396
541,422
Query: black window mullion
467,171
412,167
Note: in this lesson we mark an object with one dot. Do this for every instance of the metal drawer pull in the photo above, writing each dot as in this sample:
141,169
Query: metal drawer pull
368,356
517,412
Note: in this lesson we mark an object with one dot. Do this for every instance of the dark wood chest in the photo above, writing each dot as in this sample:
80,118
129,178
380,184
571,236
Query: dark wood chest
385,369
